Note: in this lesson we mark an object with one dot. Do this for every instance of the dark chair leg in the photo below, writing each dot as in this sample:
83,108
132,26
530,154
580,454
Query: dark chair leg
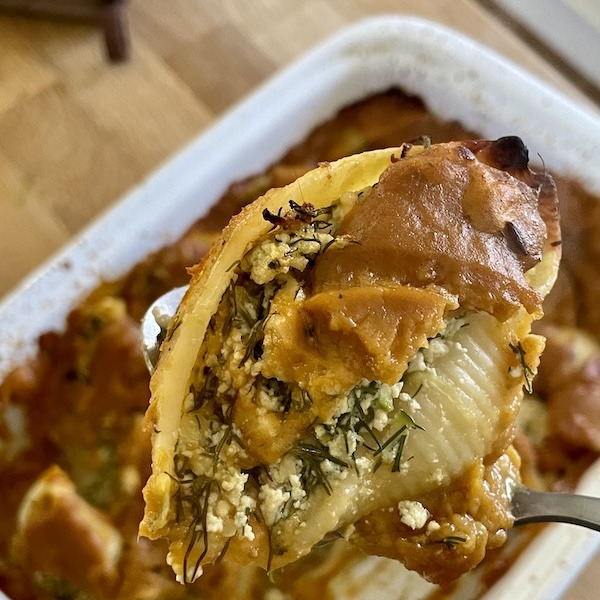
116,32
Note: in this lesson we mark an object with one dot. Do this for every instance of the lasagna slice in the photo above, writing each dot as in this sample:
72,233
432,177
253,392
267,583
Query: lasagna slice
349,361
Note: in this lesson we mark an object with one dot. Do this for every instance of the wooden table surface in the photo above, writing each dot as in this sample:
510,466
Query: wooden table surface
77,133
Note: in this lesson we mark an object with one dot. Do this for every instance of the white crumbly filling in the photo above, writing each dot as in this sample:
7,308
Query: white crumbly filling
386,409
369,415
283,492
413,514
284,251
433,526
437,347
347,202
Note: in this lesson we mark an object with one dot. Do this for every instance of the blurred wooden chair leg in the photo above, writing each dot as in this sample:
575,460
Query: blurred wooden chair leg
116,31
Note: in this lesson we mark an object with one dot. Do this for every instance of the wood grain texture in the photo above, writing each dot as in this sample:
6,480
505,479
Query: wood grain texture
77,133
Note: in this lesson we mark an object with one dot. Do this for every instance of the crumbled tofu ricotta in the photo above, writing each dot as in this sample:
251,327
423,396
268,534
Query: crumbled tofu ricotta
364,464
417,364
269,400
433,526
413,514
272,503
516,371
284,251
193,571
380,420
248,533
347,201
437,347
284,490
214,524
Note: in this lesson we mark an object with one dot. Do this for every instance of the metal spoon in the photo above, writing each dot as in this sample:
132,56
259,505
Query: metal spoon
155,323
528,506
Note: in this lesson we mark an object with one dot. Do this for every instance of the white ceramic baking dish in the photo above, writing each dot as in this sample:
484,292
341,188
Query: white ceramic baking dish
457,78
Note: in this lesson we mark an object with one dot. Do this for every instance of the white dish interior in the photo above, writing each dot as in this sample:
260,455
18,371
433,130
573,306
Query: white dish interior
457,79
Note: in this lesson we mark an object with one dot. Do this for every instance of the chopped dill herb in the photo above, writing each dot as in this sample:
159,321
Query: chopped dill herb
312,454
201,488
331,537
451,541
297,240
398,455
229,296
290,398
328,245
224,551
270,555
321,225
363,421
527,370
306,400
191,499
358,421
206,392
410,421
398,437
255,337
391,440
244,304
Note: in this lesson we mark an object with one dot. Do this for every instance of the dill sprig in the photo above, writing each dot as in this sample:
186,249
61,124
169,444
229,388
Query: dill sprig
297,240
344,240
528,372
223,551
229,296
312,454
410,421
254,340
391,440
358,420
206,392
363,421
191,499
451,541
291,398
321,225
398,437
398,454
225,440
199,498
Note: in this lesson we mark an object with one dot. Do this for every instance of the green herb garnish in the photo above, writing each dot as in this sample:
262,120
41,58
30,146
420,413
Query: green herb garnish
528,372
451,541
